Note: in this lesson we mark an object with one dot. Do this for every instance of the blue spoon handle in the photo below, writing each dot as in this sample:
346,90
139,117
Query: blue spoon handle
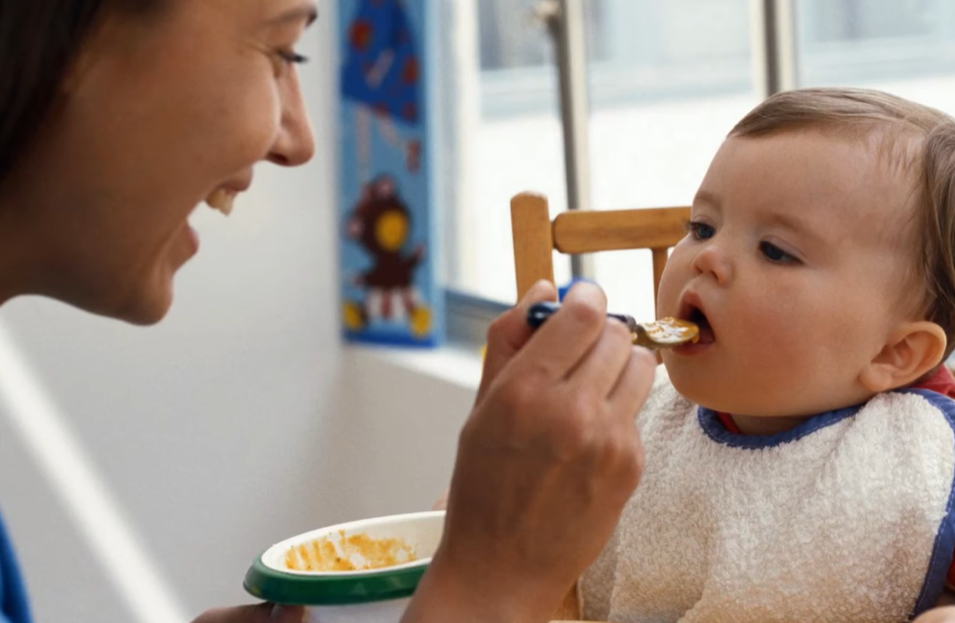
540,312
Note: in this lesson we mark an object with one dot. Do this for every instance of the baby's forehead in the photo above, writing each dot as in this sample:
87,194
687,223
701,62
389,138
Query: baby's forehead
863,184
885,193
892,159
879,164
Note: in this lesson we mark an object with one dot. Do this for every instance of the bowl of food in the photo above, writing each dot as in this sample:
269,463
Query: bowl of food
363,570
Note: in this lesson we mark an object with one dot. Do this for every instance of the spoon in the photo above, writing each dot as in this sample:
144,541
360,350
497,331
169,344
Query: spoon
662,333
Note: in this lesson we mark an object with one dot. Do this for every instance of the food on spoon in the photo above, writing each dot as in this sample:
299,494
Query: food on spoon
357,552
671,331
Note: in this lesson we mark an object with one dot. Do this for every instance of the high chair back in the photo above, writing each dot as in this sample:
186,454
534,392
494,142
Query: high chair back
588,231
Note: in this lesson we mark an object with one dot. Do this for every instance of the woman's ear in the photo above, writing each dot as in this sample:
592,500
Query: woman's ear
913,349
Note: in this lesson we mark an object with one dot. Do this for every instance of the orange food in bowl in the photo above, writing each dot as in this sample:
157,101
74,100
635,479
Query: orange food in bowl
357,552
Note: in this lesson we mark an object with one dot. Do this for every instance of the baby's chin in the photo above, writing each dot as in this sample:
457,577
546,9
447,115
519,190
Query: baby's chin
713,396
691,390
719,400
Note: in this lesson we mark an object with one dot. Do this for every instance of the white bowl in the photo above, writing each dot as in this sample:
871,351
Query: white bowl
373,596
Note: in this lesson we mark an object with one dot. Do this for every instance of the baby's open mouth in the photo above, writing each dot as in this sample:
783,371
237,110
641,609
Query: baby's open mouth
696,316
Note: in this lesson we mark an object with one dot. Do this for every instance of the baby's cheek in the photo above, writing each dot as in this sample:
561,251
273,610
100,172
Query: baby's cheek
671,284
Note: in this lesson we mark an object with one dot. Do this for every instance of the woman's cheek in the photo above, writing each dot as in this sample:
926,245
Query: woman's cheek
245,127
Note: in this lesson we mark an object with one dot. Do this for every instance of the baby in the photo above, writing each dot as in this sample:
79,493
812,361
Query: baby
800,456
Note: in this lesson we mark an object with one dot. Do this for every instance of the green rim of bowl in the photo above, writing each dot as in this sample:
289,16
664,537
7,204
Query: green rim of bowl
304,590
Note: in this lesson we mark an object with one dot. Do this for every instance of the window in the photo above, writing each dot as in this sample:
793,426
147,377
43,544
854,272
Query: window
906,47
666,82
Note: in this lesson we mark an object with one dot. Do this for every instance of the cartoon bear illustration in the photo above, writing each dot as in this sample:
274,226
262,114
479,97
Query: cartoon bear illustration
381,223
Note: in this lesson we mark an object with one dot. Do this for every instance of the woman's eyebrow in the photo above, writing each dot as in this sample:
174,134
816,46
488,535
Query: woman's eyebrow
307,11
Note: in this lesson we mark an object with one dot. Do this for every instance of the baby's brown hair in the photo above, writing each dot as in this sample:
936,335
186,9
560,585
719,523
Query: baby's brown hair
926,137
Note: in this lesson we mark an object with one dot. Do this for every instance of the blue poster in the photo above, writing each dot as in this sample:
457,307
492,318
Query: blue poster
388,245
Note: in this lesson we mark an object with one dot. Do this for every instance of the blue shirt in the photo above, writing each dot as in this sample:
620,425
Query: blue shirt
13,598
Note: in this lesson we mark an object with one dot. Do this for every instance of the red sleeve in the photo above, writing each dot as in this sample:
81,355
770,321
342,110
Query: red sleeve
727,420
941,381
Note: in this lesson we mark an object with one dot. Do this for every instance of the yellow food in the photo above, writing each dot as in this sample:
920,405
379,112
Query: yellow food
357,552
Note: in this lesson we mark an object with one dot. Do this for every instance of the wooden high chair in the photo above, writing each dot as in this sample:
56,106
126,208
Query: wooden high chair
536,237
589,231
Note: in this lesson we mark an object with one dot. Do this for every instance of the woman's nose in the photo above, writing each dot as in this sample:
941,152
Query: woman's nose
295,143
714,260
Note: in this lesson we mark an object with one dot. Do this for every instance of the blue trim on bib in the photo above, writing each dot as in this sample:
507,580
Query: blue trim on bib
944,547
716,431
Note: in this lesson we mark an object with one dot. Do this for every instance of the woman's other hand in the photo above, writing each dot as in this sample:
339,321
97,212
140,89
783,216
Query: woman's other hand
441,503
546,461
262,613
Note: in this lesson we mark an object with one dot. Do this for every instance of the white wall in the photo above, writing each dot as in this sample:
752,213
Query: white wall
238,421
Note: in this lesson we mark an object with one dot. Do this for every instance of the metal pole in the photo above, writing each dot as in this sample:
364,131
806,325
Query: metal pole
565,22
774,45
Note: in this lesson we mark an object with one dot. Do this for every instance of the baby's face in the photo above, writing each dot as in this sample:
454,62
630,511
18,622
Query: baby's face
798,264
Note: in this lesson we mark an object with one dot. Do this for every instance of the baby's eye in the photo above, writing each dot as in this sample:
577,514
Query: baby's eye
775,254
700,231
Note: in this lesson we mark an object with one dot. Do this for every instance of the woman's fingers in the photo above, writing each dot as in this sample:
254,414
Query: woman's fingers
510,332
560,344
599,370
634,383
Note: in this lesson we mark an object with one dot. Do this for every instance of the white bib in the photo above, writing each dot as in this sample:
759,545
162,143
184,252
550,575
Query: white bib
848,517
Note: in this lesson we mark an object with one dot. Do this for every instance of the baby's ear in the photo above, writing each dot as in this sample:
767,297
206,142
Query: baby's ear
914,349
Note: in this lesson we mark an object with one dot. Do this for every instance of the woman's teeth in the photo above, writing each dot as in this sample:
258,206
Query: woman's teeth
221,200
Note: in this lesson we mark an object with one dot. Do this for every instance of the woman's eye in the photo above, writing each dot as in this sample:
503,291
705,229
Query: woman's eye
700,231
775,254
291,57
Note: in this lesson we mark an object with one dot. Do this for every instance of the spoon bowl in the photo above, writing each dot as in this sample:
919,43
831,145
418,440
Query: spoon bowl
661,333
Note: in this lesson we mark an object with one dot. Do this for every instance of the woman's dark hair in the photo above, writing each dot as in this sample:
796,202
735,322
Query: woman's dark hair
38,41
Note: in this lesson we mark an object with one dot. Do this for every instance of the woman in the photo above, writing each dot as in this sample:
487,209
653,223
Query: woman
118,117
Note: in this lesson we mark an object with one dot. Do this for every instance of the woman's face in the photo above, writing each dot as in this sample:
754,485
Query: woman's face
159,112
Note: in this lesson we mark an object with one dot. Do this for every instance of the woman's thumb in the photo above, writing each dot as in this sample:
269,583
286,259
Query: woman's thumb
286,614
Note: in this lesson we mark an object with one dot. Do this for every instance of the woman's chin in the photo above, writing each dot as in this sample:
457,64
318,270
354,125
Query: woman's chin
144,310
150,297
147,315
144,302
